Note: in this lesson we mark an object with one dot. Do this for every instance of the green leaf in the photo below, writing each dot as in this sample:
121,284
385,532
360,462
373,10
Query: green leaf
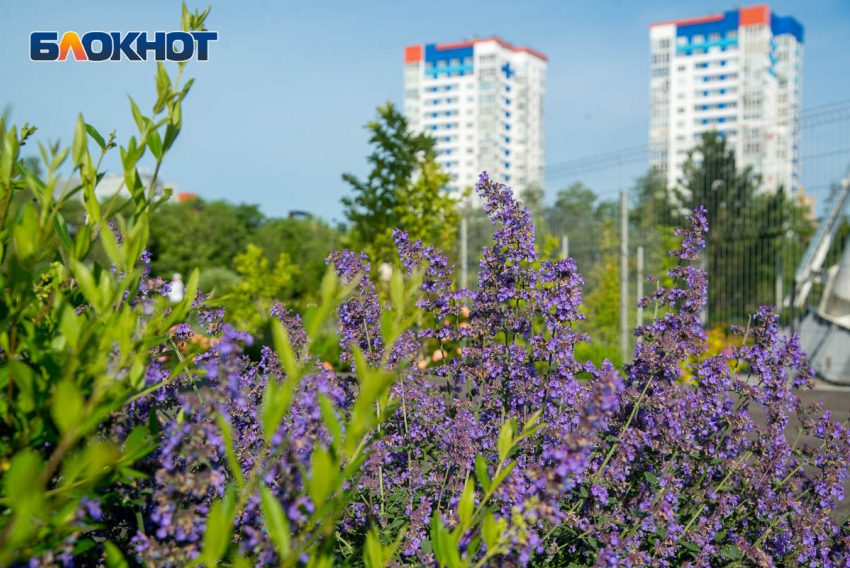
374,387
481,472
373,552
445,548
324,474
19,481
466,505
731,552
114,558
154,142
284,351
330,420
62,231
83,545
219,529
31,178
235,467
531,425
153,422
397,290
26,231
67,406
137,116
137,442
316,318
503,474
163,88
489,531
80,146
506,439
171,132
85,281
276,523
273,408
185,19
70,325
110,245
8,155
96,136
650,477
24,380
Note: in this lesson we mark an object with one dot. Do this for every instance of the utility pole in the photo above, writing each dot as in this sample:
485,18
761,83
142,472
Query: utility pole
464,276
780,293
639,285
624,276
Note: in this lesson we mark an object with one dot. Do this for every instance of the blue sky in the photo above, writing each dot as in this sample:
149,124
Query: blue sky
276,115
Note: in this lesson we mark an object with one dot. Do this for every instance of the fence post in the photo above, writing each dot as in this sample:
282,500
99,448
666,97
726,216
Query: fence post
624,276
464,276
779,292
639,285
565,247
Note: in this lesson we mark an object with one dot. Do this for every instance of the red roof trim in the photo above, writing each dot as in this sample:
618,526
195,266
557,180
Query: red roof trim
754,15
500,41
689,21
455,45
413,53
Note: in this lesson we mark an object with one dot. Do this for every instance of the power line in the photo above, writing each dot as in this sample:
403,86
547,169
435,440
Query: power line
828,113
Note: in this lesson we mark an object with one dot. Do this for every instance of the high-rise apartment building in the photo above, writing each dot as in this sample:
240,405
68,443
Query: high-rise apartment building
482,100
738,73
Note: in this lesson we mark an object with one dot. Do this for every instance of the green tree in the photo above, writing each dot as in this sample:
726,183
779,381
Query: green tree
308,242
711,178
654,214
653,204
200,233
250,302
752,233
577,215
405,189
576,200
601,302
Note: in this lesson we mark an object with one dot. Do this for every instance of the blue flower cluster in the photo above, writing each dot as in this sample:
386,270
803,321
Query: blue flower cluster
630,467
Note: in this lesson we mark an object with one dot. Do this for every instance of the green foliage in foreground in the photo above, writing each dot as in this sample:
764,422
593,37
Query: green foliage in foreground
75,338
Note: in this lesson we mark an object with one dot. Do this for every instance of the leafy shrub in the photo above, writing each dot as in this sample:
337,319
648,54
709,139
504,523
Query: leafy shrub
251,299
76,336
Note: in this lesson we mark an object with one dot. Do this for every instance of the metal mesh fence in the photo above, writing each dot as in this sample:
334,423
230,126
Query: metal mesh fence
758,236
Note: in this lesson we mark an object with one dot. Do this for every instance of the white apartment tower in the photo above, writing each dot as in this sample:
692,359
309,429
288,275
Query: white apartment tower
482,100
738,73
